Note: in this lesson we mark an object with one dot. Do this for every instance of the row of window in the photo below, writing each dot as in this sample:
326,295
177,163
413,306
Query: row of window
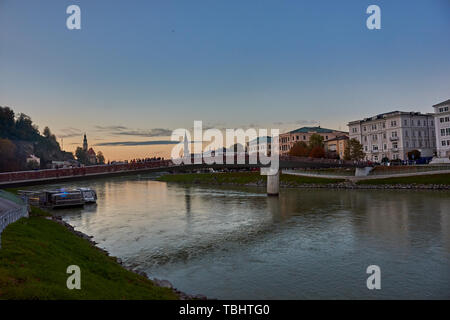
297,138
444,109
393,123
413,144
445,132
444,143
444,119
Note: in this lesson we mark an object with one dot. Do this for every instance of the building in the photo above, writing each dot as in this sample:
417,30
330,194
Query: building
442,125
260,144
337,145
394,134
91,156
33,159
288,139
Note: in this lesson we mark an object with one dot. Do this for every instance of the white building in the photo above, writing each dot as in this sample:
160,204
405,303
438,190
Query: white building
260,145
394,134
442,124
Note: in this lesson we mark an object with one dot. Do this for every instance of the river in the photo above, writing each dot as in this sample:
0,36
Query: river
237,243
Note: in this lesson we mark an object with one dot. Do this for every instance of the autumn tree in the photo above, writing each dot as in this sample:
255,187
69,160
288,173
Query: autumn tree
299,149
317,152
8,154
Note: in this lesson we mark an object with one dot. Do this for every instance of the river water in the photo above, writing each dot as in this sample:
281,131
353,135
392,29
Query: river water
237,243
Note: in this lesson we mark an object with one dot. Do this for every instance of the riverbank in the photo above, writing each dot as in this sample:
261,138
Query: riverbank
37,251
428,182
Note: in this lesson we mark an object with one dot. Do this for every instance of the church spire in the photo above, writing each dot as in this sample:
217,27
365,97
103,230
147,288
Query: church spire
85,143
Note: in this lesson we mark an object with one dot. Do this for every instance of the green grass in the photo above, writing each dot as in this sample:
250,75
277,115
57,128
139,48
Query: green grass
241,178
422,179
34,257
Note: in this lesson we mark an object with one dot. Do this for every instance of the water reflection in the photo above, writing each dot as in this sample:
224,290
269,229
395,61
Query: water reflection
239,243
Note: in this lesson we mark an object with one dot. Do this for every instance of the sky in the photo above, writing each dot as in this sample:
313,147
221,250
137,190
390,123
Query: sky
139,69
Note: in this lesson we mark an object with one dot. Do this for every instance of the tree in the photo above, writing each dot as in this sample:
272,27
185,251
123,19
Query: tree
414,155
8,155
7,123
25,129
317,152
353,150
100,158
81,155
299,149
316,140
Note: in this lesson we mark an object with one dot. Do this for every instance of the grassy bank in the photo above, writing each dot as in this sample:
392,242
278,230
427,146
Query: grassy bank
437,179
36,252
242,178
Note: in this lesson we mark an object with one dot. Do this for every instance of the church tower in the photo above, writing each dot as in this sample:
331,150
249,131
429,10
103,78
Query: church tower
85,144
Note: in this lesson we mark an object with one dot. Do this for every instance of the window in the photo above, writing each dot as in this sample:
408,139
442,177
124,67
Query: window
374,127
394,134
412,122
447,131
384,135
384,125
406,133
385,146
364,128
375,147
374,137
441,120
365,138
441,109
406,122
442,132
395,145
354,130
393,123
365,148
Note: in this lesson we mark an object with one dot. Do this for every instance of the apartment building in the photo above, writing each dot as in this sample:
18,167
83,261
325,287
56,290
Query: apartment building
442,125
394,134
337,145
288,139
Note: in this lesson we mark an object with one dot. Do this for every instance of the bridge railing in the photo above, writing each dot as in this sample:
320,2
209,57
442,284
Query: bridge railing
81,171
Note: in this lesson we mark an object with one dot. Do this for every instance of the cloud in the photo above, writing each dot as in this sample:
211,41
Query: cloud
70,132
298,122
110,128
135,143
157,132
125,131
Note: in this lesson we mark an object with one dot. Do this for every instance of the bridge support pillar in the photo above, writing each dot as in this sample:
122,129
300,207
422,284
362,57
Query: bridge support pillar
273,184
363,172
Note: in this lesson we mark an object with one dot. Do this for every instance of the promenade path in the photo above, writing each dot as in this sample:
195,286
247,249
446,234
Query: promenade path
369,177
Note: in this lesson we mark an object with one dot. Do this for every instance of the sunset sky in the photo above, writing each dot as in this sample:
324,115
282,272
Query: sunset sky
139,69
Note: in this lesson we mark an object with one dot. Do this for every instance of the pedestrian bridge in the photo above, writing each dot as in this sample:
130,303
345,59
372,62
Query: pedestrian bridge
22,178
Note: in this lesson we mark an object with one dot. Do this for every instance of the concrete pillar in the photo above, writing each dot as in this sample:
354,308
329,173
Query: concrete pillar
273,184
362,172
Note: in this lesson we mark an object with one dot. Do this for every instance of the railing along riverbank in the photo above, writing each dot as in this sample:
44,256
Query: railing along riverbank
13,209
